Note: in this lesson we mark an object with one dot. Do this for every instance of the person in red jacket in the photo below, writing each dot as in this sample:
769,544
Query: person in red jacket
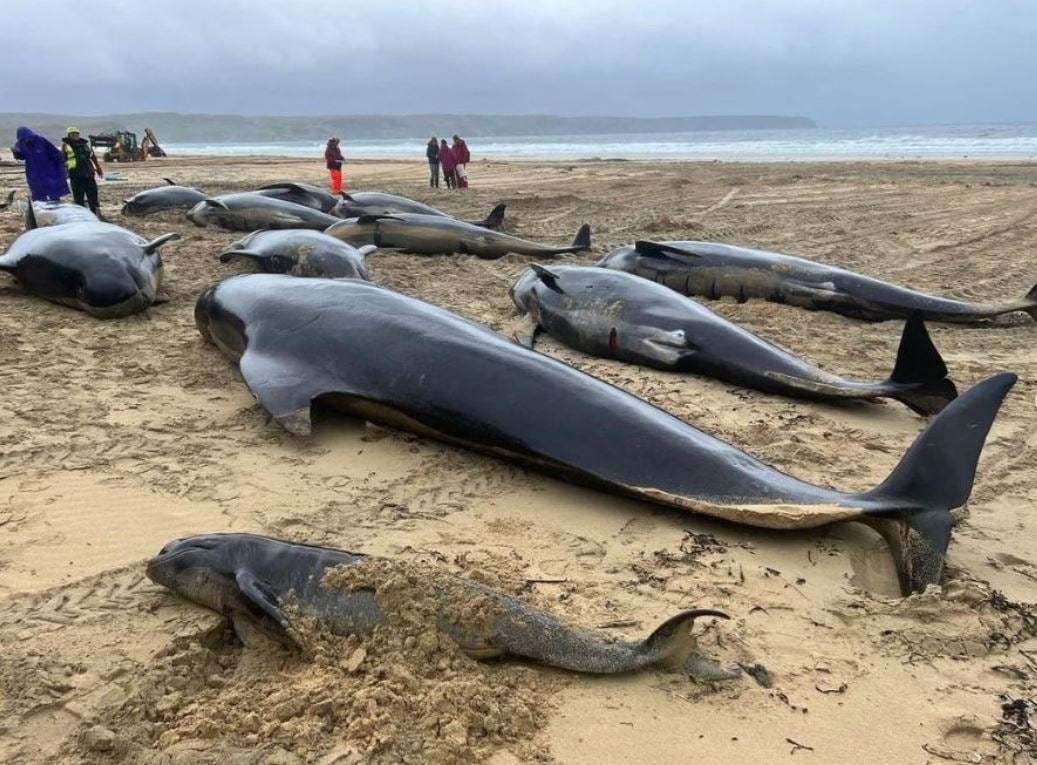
463,157
448,162
333,157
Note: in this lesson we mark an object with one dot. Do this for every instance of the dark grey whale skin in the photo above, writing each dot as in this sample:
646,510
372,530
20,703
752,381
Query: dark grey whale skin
249,578
251,211
614,314
300,252
393,359
438,235
359,203
713,270
162,199
99,268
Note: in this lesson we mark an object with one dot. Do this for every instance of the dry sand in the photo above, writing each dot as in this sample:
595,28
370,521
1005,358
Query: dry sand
117,436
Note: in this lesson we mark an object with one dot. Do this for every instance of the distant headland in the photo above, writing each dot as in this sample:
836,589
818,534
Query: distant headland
230,128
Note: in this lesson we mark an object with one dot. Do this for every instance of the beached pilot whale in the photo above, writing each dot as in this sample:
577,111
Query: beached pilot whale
437,235
711,270
617,315
98,268
300,252
301,194
163,199
359,203
248,578
249,211
55,214
399,361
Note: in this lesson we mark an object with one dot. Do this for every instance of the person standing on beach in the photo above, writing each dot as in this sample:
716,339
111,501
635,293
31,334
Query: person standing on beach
334,159
82,164
449,163
432,153
463,157
44,166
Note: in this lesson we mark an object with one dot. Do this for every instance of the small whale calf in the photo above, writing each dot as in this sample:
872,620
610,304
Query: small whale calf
249,578
712,270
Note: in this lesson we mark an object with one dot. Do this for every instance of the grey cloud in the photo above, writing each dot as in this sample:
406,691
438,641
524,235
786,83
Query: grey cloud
846,63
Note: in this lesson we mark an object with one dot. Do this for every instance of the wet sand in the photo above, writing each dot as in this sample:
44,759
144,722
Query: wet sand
118,436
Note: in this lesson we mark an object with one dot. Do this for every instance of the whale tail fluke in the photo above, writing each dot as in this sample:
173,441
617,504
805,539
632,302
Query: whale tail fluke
920,366
7,201
672,642
583,238
935,476
495,220
1031,300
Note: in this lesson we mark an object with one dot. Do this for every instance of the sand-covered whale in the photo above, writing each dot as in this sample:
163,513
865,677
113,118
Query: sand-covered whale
255,581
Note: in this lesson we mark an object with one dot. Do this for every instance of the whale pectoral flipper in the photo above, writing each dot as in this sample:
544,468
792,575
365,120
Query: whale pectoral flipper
548,277
154,244
660,250
375,217
285,392
261,600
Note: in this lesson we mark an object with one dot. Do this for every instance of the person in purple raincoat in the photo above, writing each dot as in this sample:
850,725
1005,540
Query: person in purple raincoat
44,165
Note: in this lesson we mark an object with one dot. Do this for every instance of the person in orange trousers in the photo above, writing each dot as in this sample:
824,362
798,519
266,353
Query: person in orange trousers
333,157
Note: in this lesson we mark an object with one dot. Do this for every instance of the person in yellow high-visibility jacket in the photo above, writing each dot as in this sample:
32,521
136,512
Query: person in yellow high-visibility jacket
81,163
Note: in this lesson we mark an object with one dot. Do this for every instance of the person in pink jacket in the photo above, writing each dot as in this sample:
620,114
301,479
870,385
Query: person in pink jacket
448,161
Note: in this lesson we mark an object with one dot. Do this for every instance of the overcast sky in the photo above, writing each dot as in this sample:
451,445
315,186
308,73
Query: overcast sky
842,62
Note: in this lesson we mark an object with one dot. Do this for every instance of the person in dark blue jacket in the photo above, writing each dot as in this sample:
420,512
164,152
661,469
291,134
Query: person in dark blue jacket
432,155
44,166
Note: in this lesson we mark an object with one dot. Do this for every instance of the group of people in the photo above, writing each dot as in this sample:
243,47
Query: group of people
49,170
453,159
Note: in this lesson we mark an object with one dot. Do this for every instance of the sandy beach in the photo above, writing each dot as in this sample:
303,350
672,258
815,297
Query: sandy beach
117,436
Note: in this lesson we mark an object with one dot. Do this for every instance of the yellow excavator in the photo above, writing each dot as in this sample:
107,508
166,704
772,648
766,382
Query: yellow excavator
122,146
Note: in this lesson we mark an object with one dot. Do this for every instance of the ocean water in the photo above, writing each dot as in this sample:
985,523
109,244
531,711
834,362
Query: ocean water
1004,141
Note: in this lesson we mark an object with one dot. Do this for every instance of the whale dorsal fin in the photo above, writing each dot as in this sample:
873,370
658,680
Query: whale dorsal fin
661,250
169,182
548,277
